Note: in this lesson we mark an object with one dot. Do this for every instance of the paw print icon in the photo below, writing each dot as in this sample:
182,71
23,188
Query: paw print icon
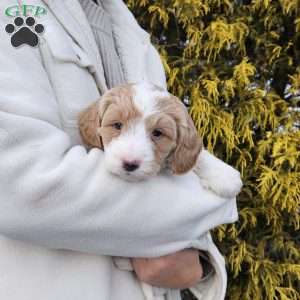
24,31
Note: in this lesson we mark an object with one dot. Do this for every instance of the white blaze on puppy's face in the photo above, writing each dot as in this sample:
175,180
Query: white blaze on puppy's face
141,128
146,97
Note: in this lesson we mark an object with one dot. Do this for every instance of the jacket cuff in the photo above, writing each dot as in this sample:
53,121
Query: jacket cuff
213,285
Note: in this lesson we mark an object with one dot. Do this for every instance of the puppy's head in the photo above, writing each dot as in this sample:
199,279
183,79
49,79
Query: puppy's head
142,129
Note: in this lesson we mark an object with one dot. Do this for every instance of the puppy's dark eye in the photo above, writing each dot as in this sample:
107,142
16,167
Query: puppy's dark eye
156,133
117,125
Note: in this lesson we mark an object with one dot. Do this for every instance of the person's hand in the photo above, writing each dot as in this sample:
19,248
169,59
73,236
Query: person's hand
179,270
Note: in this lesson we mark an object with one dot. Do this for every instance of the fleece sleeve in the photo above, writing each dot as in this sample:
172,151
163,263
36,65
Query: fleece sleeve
59,196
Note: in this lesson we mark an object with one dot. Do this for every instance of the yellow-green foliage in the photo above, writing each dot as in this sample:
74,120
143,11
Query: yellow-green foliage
237,63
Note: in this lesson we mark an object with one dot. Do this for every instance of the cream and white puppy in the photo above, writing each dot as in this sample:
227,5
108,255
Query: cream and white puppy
144,130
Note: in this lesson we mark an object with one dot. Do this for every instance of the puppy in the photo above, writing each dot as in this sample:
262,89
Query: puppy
144,130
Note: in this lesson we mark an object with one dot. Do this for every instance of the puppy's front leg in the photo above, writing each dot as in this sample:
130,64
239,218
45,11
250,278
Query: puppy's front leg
217,175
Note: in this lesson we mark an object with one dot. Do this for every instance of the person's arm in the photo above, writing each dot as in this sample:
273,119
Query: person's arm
59,196
179,270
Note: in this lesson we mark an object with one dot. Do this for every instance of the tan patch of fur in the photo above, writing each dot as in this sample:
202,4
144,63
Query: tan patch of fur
116,105
121,109
88,123
167,142
188,144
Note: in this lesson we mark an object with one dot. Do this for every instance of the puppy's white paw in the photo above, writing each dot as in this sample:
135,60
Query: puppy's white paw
218,176
225,184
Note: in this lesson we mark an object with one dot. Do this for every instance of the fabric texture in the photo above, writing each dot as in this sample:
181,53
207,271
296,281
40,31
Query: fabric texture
62,216
101,26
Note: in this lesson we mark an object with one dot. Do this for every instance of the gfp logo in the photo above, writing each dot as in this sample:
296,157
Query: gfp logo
25,30
25,11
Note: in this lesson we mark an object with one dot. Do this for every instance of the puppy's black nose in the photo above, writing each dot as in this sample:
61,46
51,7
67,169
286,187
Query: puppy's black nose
130,166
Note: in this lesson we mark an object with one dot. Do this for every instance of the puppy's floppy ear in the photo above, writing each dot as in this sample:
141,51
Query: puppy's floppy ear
89,122
189,144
